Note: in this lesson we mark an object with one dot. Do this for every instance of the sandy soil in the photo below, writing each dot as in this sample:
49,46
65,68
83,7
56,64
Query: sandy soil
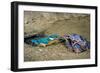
54,52
80,25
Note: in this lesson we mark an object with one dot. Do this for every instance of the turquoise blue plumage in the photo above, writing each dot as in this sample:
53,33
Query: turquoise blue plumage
45,40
